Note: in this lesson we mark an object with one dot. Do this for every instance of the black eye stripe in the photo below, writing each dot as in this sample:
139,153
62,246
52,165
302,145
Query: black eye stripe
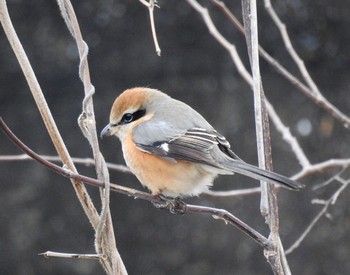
138,114
130,117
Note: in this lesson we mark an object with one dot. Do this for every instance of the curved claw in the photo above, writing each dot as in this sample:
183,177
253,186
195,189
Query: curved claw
175,206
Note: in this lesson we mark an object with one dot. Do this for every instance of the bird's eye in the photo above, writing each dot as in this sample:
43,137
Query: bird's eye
127,118
130,117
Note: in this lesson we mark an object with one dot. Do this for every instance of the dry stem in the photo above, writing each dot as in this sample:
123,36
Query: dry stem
104,234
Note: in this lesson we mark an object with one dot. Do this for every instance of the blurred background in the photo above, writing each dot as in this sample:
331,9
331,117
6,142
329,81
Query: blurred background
39,210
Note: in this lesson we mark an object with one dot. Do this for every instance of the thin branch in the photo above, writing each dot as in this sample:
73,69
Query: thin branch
82,161
227,217
150,5
288,137
322,167
238,62
45,112
290,49
315,94
265,55
344,184
319,99
323,212
309,170
216,213
231,48
104,233
234,193
297,243
125,169
49,254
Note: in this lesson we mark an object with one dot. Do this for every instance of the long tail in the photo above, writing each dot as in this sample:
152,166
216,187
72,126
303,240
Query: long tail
260,174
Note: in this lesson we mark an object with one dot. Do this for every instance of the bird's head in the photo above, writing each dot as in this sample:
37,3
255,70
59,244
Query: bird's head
131,108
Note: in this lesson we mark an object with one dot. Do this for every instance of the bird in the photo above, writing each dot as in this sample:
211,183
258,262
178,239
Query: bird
172,149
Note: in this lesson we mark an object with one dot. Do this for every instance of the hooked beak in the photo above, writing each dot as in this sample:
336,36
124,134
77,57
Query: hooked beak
106,132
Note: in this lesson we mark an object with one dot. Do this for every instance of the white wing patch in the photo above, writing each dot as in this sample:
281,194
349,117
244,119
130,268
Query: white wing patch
165,147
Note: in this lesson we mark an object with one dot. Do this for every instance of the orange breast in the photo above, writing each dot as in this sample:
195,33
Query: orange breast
163,176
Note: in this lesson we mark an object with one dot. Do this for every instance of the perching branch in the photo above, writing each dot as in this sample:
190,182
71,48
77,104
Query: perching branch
309,170
220,214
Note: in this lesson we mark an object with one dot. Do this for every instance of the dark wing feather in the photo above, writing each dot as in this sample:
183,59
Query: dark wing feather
207,147
196,145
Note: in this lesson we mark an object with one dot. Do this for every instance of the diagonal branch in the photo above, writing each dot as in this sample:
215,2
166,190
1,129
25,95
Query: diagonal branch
314,93
322,167
45,112
288,44
238,62
231,48
326,204
287,136
317,98
220,214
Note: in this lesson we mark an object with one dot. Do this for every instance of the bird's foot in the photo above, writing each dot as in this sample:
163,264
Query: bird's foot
175,205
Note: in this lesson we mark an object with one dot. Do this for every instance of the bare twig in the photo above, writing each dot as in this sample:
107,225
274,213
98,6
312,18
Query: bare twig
220,214
322,167
54,254
237,60
297,243
265,55
307,168
234,193
323,211
227,217
125,169
288,137
83,161
315,93
104,237
288,44
150,5
231,48
318,99
50,124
